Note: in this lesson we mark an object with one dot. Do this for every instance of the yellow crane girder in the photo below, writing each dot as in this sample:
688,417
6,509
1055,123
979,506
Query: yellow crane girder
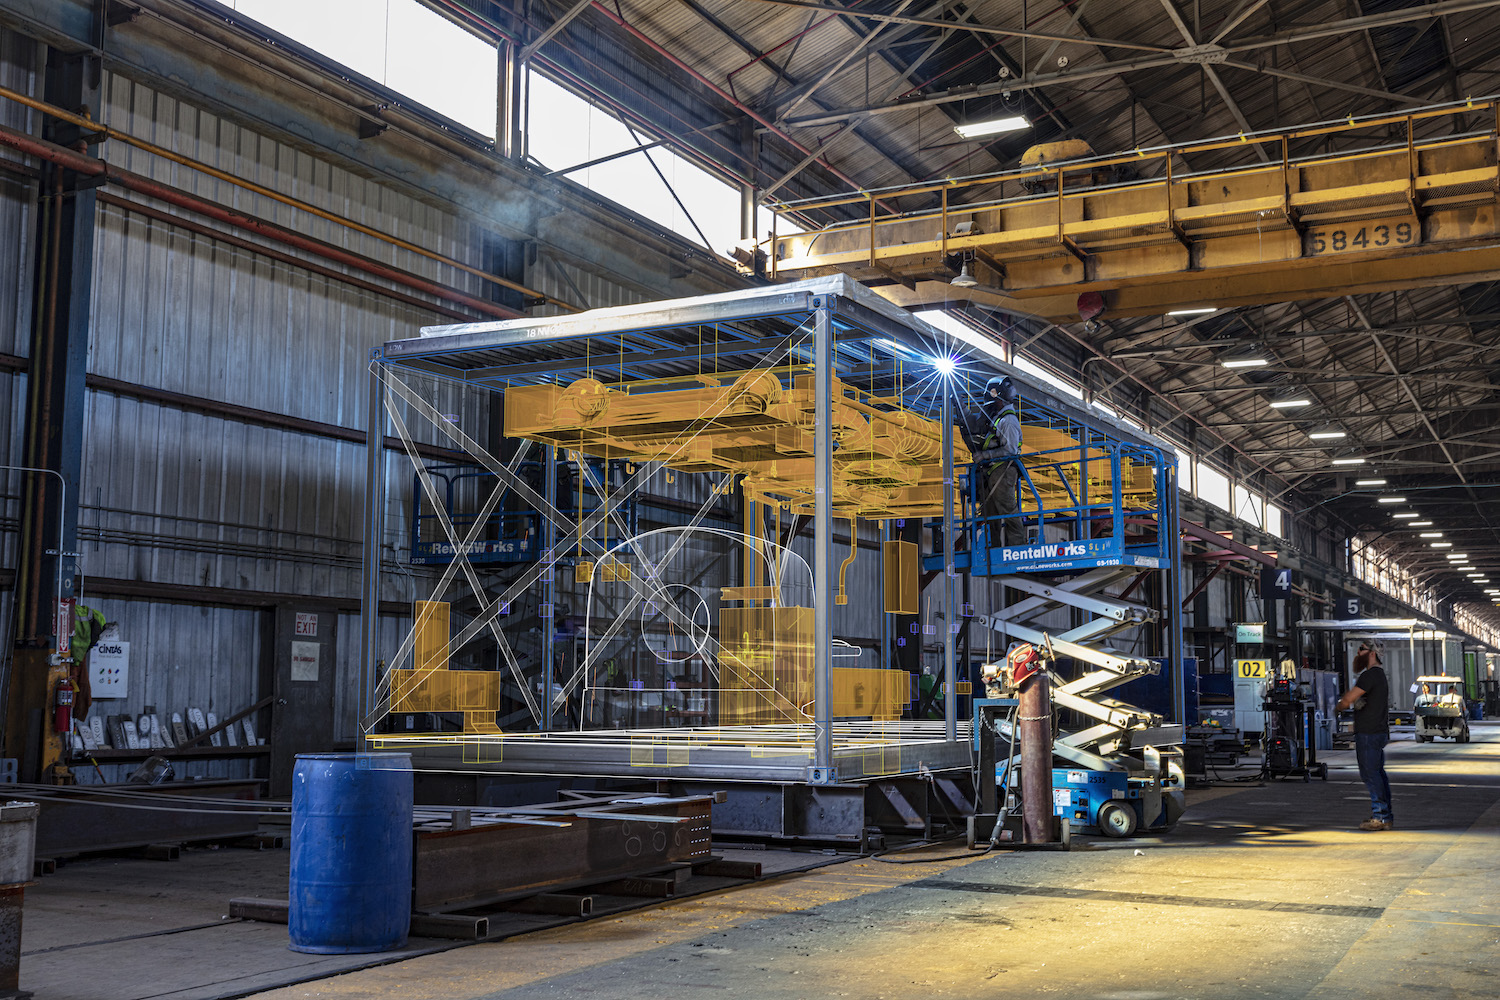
1408,214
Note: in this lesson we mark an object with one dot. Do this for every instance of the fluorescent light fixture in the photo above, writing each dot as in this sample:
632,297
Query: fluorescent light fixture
1369,482
1442,545
1390,500
1348,461
1431,534
1287,404
1327,435
1481,579
1245,363
1194,311
1424,524
995,126
1405,515
944,364
1458,555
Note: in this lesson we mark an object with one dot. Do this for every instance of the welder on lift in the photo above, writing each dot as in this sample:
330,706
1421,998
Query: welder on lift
995,441
88,628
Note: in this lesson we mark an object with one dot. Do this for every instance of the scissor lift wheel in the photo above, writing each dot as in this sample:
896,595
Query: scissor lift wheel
1116,819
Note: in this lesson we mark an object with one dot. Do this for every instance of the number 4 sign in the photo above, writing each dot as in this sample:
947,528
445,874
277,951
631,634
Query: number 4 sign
1275,583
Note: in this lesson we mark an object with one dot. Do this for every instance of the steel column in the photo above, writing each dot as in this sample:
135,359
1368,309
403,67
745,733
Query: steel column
887,621
950,619
1171,582
62,295
510,128
374,522
823,544
549,579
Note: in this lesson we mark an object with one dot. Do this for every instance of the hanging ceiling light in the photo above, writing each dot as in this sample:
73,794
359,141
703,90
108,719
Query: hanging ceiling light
995,126
964,279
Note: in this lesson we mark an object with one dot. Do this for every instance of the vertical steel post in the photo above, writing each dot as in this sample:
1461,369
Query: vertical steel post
549,582
747,211
511,124
1171,539
61,297
950,618
887,621
823,544
369,608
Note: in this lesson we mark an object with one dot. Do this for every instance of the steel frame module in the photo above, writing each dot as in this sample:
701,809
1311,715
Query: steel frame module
851,328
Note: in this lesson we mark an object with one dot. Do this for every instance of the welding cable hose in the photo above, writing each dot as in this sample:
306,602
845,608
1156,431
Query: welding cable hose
994,834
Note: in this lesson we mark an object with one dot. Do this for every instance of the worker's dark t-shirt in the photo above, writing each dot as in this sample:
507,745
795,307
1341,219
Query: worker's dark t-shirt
1374,717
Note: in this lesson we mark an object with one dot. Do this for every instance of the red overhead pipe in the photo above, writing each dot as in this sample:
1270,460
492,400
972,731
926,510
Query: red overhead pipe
93,167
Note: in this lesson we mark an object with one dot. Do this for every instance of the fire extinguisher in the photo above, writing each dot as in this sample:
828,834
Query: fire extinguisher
62,709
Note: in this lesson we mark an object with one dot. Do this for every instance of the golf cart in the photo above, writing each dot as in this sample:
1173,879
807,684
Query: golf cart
1440,709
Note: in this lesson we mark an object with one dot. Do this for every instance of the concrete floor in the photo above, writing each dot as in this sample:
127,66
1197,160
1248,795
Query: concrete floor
1261,891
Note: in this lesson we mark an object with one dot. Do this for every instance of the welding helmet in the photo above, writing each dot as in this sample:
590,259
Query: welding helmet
1000,386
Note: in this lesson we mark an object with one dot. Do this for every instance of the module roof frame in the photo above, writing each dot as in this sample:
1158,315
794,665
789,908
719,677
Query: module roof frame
475,352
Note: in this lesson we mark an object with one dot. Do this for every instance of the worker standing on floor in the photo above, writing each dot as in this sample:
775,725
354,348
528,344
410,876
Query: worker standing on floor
1370,698
999,442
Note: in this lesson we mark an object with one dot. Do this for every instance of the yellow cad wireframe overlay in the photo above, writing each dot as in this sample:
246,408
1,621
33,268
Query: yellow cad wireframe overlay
889,462
766,672
430,686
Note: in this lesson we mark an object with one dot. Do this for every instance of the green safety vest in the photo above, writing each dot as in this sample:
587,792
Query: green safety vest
995,438
88,625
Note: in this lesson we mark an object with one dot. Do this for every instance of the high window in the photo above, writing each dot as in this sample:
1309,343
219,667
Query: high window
399,44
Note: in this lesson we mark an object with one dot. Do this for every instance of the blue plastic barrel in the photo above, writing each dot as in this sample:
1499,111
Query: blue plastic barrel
351,852
1476,711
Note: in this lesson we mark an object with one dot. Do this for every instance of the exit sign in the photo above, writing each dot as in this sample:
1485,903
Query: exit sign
307,624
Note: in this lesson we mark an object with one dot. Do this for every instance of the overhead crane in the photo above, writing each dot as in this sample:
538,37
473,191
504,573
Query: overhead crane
1405,207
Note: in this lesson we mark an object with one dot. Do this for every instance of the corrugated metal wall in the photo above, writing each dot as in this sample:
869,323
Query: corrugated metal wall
195,499
182,657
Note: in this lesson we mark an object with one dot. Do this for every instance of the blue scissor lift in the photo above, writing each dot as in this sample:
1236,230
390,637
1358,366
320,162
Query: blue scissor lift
1095,526
513,531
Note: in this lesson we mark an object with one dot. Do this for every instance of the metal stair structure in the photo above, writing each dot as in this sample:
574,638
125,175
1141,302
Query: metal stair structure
1119,729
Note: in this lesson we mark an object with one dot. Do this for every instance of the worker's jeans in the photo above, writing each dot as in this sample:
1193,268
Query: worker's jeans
1369,750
